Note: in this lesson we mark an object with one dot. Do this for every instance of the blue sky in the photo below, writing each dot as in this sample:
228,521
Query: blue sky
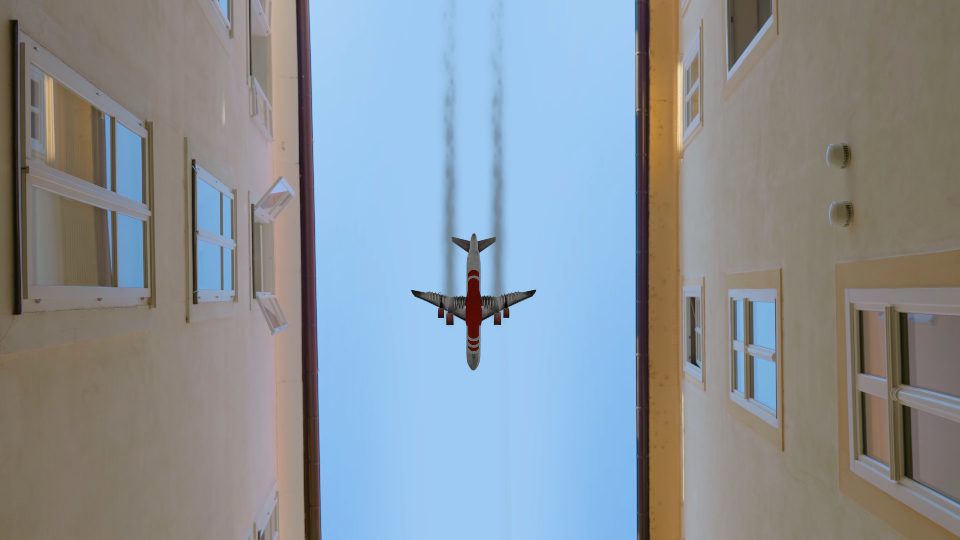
539,441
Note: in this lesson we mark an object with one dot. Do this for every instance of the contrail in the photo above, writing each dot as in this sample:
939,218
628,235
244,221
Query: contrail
497,121
450,139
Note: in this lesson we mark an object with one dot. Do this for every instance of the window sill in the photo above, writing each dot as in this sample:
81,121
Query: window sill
64,298
690,133
220,25
694,374
752,55
939,509
210,311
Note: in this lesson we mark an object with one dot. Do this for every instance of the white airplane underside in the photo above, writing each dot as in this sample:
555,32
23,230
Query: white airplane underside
473,308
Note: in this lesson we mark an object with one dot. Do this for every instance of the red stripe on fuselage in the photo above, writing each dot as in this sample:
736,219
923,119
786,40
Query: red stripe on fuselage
473,348
474,307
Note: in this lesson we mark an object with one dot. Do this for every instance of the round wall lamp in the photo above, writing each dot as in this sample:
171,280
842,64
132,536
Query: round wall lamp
838,155
840,213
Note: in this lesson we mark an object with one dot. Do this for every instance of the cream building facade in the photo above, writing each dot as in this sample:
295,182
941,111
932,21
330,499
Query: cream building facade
808,380
143,391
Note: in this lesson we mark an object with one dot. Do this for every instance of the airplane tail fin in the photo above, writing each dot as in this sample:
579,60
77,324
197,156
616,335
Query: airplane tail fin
465,244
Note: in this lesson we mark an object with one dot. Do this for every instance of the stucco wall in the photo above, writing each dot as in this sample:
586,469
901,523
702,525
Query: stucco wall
754,192
664,285
135,423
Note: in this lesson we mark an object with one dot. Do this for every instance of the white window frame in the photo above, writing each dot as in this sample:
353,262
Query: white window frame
260,14
36,174
768,28
693,292
262,223
891,479
749,296
215,295
267,523
228,18
694,51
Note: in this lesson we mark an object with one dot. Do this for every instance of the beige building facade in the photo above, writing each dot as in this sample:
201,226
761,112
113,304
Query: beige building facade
150,333
811,357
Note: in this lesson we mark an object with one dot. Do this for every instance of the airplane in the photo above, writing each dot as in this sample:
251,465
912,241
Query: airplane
473,308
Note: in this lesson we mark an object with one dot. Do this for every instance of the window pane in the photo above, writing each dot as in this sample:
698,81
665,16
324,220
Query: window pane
764,324
765,382
876,428
274,201
129,163
224,6
764,11
693,72
227,216
932,351
208,266
738,369
208,208
737,322
227,269
70,242
933,444
108,151
873,343
75,134
130,233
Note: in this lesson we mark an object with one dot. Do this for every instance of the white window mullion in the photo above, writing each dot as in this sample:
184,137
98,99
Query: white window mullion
747,321
873,385
893,381
854,361
928,401
216,239
55,181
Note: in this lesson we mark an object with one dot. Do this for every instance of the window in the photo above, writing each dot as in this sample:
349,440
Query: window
265,213
754,361
225,9
747,22
692,69
214,240
267,524
84,206
260,17
904,396
261,67
693,331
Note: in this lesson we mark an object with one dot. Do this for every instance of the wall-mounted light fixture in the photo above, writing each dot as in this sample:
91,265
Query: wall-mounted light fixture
840,213
838,155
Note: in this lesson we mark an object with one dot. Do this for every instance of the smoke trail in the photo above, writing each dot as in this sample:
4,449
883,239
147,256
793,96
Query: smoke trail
497,120
450,139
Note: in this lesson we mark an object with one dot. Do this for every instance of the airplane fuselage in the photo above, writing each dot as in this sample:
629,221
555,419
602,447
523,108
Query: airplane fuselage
474,305
473,308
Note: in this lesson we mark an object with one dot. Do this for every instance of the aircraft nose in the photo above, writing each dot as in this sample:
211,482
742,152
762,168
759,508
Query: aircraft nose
473,360
473,236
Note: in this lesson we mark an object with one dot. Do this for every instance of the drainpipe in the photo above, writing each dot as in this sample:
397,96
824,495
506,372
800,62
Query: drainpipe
308,281
643,269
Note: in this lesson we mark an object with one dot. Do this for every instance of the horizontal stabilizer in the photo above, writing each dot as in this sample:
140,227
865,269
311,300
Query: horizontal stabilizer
464,244
484,244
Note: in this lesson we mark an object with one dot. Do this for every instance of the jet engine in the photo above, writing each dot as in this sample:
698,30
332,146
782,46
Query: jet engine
440,313
449,319
506,312
496,319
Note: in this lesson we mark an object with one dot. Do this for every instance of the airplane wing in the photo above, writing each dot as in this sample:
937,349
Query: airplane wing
493,304
454,304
